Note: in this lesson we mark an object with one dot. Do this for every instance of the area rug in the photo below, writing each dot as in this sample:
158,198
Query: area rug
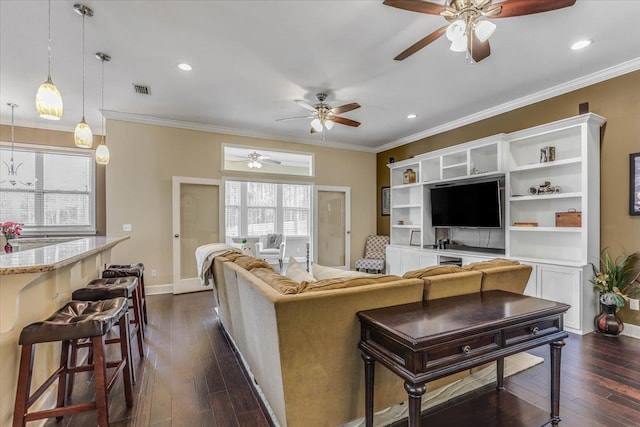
512,365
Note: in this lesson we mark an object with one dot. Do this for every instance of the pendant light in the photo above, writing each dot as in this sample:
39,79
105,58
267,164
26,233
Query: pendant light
83,136
12,170
102,152
48,98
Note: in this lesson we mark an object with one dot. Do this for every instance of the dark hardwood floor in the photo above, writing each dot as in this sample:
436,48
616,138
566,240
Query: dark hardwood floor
191,377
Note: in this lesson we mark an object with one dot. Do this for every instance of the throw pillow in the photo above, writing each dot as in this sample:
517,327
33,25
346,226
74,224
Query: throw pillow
297,273
273,241
321,272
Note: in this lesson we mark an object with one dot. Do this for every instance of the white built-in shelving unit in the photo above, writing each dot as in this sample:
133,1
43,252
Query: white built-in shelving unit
560,256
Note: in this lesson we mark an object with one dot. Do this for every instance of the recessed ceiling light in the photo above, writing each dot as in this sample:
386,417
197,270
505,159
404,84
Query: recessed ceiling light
580,44
185,67
411,116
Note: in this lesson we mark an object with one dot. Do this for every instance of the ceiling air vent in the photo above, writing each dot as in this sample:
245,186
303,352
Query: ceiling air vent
142,89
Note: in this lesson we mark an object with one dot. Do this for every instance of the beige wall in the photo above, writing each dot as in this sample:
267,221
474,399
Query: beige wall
60,139
145,157
618,100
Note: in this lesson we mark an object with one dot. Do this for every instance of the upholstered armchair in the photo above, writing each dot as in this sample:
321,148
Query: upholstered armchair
271,248
374,254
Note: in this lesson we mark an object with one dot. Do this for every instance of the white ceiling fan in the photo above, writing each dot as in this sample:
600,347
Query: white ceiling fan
255,160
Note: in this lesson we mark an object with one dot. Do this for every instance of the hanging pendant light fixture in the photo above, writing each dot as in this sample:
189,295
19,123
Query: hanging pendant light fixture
48,98
12,170
102,152
83,136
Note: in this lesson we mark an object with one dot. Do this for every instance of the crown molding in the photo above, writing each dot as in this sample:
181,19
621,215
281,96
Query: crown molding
571,85
180,124
40,124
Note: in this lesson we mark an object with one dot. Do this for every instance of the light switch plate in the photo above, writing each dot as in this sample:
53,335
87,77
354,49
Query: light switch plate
634,304
126,227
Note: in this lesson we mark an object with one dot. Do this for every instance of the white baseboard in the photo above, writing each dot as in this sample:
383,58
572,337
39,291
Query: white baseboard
632,331
158,289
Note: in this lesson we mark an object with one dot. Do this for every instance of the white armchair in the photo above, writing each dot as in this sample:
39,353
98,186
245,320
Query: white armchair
271,248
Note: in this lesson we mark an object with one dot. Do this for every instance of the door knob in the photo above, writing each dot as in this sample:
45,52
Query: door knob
176,235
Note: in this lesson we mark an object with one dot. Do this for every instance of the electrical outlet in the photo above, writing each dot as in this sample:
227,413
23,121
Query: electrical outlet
154,273
634,304
126,227
297,250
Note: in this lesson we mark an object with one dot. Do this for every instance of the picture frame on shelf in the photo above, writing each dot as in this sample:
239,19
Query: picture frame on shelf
415,238
634,184
385,201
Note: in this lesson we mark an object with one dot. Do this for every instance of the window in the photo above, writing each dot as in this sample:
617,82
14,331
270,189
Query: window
62,200
259,208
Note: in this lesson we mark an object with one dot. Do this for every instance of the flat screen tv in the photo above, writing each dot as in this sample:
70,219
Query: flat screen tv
474,205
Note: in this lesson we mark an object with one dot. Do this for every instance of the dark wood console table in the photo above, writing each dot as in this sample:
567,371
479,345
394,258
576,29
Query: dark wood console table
427,340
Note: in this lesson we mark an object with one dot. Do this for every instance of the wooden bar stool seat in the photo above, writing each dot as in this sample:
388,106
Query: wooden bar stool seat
76,320
127,270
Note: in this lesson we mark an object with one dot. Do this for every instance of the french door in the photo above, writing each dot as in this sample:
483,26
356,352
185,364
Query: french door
196,221
332,226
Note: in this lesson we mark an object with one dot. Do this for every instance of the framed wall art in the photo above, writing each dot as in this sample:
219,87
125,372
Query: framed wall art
385,201
634,184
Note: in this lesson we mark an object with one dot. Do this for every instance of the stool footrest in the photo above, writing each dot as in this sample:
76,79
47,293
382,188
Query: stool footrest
65,410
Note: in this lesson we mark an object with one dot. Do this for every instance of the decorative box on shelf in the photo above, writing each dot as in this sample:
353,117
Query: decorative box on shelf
408,176
572,218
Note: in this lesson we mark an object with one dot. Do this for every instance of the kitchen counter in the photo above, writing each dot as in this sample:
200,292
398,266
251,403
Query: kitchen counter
34,283
52,257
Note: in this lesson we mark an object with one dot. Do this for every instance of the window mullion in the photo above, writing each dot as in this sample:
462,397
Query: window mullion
243,210
39,193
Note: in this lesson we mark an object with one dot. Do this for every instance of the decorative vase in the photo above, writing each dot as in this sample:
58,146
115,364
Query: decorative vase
8,248
607,322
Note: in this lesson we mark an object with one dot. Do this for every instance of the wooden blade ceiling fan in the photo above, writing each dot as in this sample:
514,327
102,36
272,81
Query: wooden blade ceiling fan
469,27
323,115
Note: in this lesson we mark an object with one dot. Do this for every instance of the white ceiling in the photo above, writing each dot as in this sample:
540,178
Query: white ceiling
251,59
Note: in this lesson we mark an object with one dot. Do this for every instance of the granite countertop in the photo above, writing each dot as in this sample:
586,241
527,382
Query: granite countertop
55,256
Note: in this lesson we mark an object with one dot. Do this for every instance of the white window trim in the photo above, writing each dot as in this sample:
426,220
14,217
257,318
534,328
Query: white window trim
60,230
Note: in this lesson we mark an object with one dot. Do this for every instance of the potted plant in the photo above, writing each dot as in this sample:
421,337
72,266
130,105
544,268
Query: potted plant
615,282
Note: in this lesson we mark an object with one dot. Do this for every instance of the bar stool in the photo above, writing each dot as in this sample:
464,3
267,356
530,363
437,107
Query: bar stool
105,289
125,270
76,320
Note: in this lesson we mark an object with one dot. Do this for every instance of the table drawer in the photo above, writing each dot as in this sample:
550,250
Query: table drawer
531,331
455,351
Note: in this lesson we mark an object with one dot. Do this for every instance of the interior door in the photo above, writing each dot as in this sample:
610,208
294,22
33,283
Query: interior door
332,226
196,222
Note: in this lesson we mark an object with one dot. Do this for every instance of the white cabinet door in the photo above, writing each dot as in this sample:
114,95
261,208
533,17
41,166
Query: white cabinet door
410,260
562,284
392,263
532,289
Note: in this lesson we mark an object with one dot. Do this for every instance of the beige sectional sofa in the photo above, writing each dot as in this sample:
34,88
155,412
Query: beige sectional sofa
300,339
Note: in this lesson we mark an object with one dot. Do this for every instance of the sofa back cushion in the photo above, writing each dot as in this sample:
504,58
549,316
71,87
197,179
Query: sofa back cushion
345,282
280,283
498,262
434,270
297,273
321,272
510,278
248,262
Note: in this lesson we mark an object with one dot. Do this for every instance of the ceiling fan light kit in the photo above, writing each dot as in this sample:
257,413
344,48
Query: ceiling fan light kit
469,28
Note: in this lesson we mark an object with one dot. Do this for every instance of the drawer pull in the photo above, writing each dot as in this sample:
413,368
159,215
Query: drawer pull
535,330
466,349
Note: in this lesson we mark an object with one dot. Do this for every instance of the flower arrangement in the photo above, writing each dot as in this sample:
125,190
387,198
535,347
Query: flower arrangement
616,281
10,229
